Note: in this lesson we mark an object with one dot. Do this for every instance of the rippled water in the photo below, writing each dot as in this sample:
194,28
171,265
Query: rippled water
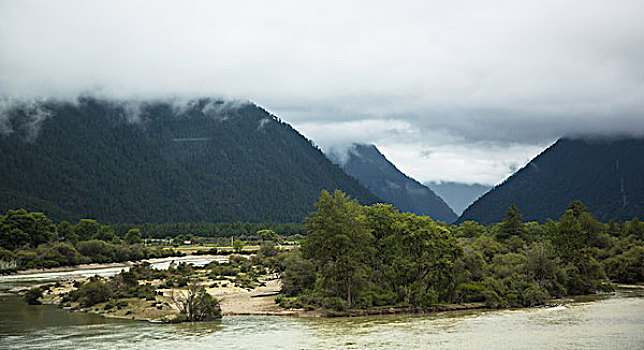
605,322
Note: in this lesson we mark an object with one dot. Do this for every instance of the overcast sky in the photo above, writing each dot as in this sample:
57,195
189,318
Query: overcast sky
448,90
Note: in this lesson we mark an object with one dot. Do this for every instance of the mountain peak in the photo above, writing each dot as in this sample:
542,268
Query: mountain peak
372,169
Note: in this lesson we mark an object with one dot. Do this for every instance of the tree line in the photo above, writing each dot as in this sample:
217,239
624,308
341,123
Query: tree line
358,256
32,240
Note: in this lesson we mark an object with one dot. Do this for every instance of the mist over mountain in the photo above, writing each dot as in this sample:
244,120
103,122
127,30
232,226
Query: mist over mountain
606,174
161,161
458,195
373,170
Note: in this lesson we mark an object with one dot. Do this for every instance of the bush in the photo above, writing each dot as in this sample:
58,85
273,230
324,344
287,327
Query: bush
627,267
471,292
492,300
534,296
32,296
429,298
197,304
334,303
93,292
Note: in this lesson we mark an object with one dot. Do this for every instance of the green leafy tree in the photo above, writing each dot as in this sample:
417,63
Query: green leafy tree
298,275
238,245
339,243
577,207
570,236
512,225
470,229
20,228
94,291
104,233
267,235
133,236
66,232
86,229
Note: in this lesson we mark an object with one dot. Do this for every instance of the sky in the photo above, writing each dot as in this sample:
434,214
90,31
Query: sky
463,91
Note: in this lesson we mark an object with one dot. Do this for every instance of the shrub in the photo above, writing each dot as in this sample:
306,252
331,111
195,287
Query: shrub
32,296
492,300
471,292
334,303
93,292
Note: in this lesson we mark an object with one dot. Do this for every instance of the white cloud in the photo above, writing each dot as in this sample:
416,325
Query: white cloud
463,73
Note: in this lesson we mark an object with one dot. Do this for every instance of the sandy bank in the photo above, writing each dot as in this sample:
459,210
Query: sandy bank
260,301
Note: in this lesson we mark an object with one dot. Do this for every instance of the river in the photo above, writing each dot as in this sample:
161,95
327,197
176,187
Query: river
614,321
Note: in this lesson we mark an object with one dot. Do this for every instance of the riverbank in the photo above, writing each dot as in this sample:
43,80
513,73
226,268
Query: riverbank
96,266
234,299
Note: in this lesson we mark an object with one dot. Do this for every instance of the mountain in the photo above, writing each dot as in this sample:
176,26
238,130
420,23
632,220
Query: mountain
373,170
161,161
458,195
606,174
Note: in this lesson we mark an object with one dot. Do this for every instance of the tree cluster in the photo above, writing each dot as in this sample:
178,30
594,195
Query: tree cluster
32,240
358,256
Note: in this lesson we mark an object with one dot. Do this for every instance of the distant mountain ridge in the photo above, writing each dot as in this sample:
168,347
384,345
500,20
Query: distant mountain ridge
606,174
458,195
373,170
161,161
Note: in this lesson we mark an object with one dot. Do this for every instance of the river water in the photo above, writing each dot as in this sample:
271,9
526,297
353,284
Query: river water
613,321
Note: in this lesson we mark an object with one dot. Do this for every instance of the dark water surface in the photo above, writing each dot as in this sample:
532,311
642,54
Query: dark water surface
598,322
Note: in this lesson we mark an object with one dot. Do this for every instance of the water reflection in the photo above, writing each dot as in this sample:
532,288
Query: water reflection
615,321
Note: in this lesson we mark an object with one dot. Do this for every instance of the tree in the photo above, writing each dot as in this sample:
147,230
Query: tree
512,225
196,303
20,228
267,235
470,229
133,236
104,233
577,208
570,236
339,243
238,245
426,260
298,274
86,229
542,266
94,291
65,232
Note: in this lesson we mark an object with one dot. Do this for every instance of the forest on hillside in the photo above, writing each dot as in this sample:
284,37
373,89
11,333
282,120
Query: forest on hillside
604,173
162,161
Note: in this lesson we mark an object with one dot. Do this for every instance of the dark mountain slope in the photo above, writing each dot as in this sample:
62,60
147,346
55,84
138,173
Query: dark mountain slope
458,195
607,175
373,170
203,160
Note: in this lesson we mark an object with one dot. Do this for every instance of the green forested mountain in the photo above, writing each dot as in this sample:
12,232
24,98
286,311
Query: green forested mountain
161,161
607,175
372,169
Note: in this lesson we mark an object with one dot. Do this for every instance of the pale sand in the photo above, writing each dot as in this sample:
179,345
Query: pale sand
240,302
